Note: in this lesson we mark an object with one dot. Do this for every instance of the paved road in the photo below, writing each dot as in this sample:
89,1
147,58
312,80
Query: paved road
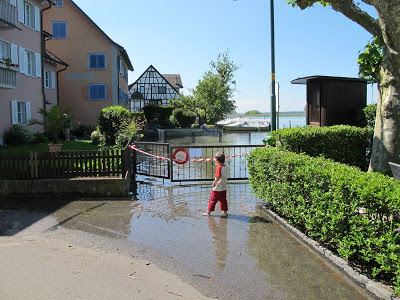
247,256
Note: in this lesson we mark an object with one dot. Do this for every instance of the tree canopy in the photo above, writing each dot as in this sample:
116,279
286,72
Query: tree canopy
211,100
386,29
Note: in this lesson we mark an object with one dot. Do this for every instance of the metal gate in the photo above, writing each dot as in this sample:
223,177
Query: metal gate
155,160
150,165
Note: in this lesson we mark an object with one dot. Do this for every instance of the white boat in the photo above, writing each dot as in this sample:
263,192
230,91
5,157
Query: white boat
244,124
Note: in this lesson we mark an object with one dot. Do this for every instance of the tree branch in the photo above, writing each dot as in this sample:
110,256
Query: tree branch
356,14
350,10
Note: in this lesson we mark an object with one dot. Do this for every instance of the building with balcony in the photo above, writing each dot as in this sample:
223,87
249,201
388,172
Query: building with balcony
97,75
21,64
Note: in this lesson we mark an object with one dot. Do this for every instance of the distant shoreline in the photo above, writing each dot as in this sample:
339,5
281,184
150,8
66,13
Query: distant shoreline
282,114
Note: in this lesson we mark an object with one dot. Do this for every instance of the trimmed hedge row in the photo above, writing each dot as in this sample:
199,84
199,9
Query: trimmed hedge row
342,143
349,211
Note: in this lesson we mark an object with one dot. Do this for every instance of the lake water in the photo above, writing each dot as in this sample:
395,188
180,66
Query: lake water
239,138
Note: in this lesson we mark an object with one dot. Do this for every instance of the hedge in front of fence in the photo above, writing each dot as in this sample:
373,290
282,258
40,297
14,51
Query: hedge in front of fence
349,211
342,143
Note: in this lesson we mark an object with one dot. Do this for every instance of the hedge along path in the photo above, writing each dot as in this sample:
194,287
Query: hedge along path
351,212
342,143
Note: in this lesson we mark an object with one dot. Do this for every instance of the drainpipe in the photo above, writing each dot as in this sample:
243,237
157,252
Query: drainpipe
43,50
118,68
58,89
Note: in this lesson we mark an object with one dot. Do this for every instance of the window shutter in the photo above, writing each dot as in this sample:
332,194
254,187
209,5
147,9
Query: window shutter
21,11
38,65
14,54
13,2
53,80
28,111
14,112
37,18
22,60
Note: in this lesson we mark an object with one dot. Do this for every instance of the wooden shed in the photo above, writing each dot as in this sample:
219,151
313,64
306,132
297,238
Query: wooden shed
333,100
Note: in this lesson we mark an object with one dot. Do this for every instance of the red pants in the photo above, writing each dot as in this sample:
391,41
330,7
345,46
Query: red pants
215,197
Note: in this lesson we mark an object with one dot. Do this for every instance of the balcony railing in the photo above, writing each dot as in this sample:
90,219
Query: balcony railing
8,76
7,14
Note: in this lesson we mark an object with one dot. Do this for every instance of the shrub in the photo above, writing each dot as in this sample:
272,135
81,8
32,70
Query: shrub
111,120
366,116
183,118
53,122
138,117
342,143
324,199
125,135
158,112
82,131
17,136
39,137
96,137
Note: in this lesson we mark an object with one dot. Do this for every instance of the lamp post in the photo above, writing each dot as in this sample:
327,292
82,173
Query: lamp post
273,91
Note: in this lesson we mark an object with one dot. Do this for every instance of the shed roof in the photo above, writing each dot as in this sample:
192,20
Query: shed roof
304,80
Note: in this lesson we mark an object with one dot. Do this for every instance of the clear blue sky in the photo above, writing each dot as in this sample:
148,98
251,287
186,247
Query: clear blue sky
183,36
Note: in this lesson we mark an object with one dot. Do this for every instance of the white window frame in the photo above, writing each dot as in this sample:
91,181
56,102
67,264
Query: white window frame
105,91
59,3
30,63
29,19
97,54
5,50
49,79
66,30
20,112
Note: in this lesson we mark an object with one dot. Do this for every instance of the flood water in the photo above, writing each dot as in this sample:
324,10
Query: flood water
246,256
239,138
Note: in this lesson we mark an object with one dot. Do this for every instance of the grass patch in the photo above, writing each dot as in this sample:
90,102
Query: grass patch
43,147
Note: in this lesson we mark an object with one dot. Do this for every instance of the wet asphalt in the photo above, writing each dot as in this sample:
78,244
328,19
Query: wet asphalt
246,256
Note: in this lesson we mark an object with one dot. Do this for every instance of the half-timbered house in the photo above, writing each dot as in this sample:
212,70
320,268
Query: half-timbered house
154,88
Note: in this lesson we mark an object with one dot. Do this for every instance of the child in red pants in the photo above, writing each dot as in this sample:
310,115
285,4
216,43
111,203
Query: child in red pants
219,186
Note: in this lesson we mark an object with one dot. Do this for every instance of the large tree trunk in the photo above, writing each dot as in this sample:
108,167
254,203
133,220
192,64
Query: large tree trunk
386,144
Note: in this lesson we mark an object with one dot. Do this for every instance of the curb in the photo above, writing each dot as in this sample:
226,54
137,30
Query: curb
373,287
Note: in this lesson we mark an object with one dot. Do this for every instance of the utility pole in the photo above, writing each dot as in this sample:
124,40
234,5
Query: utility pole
273,94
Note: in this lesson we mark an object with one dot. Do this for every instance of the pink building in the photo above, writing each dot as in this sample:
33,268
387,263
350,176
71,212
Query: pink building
22,68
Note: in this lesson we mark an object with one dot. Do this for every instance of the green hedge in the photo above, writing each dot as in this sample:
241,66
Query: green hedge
365,117
342,143
158,113
325,199
183,118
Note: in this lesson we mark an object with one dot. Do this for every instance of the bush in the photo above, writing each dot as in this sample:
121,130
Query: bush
342,143
366,116
125,135
138,117
160,113
82,131
17,136
183,118
324,199
111,120
96,137
39,138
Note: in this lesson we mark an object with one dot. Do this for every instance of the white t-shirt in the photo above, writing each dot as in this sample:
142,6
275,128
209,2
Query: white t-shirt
223,172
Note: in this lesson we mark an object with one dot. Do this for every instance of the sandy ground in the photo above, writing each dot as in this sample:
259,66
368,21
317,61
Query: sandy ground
36,267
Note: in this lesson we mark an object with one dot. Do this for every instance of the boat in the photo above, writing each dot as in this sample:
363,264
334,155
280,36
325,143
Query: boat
244,124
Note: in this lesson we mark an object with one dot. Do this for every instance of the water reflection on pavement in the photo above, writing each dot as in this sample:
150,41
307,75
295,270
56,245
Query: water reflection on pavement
246,256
